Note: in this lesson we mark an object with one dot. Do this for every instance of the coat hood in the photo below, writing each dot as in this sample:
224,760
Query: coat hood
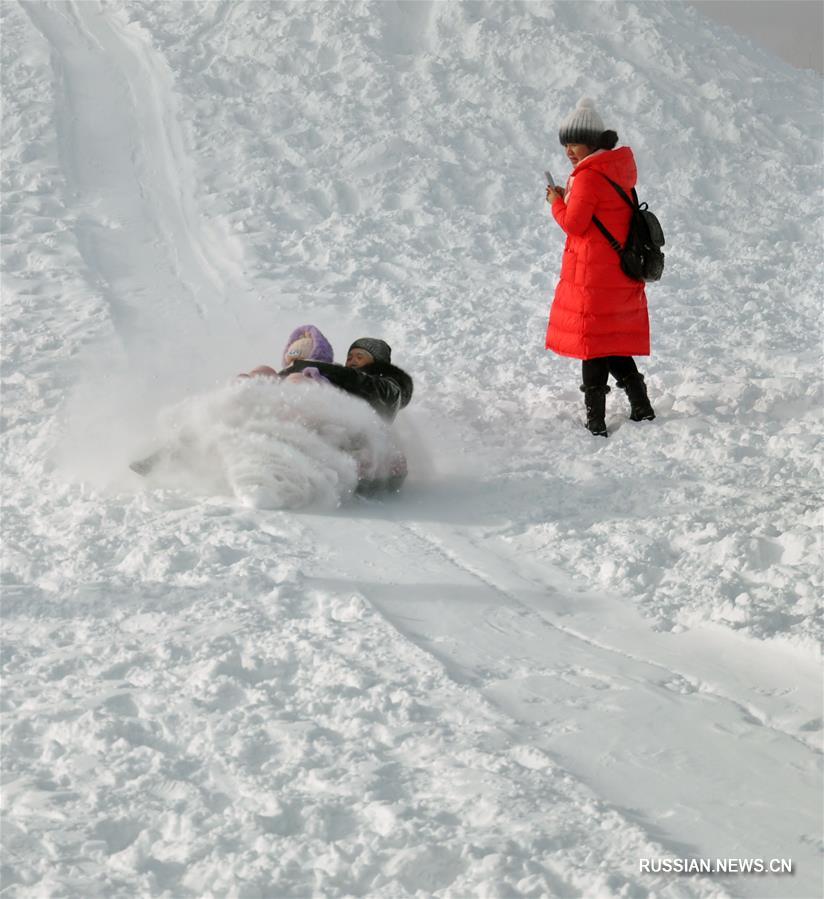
307,342
618,164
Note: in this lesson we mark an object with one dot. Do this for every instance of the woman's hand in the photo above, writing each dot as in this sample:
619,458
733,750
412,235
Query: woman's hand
554,193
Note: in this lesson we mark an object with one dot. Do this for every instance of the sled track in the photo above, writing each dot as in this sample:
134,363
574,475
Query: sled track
668,673
147,248
502,632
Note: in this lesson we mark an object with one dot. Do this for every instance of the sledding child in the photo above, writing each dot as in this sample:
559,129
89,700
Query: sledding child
368,374
305,343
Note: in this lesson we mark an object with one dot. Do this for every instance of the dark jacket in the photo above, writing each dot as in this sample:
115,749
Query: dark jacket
385,387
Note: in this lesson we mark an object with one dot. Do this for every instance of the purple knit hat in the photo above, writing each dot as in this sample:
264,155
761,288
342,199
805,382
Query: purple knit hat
306,342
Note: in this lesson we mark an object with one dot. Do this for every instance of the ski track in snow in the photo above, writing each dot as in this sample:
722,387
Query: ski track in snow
548,661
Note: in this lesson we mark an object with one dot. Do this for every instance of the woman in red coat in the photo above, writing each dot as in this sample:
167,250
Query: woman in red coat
599,314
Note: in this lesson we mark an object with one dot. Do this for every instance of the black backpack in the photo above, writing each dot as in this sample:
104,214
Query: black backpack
641,256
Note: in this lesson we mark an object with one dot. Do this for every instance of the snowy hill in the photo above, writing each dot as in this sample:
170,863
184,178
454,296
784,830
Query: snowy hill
552,656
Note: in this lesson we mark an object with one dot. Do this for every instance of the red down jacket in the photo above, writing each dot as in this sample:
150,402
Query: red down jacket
597,309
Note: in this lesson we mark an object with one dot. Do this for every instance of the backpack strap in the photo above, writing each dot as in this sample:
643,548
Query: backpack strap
602,228
623,194
633,205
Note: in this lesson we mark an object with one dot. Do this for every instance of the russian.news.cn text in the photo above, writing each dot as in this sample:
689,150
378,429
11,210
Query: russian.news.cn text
715,865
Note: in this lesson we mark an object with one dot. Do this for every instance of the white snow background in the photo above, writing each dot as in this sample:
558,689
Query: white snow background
550,657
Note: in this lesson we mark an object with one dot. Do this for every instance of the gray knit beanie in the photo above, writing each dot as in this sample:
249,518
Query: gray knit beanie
378,349
582,126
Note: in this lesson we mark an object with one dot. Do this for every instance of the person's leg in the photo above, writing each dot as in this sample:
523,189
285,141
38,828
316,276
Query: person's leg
627,376
621,367
594,374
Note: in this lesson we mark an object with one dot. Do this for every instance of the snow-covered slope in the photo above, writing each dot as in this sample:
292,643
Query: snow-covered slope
552,656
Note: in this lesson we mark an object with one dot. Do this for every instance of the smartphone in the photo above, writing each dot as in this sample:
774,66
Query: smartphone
549,180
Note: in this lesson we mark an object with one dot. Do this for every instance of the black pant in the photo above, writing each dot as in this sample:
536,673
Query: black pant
594,372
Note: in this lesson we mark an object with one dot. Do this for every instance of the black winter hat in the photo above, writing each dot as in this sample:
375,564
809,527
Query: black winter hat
378,349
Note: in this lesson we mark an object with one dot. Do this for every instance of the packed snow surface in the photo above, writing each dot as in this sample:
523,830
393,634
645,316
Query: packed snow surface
551,657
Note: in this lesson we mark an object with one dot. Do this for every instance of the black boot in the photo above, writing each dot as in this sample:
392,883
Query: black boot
595,400
641,409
